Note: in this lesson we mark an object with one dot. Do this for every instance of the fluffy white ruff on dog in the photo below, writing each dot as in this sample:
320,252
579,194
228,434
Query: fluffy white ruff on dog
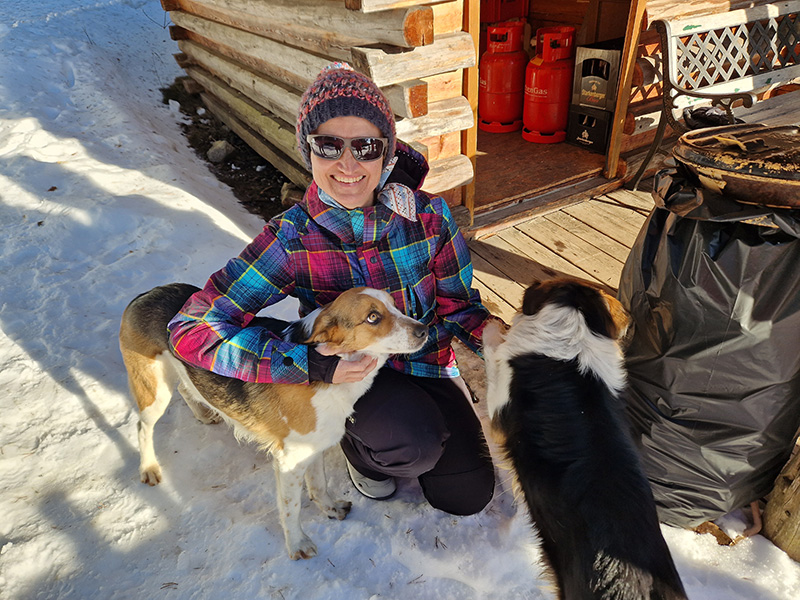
561,333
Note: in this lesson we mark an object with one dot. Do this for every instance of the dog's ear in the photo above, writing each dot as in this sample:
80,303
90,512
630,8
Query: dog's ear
534,298
620,316
594,304
327,333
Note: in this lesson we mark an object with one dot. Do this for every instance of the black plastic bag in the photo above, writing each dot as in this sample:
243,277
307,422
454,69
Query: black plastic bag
713,288
707,116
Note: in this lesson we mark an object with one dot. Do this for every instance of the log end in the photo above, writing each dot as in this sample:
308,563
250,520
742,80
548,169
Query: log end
418,100
418,26
170,5
182,59
191,87
177,33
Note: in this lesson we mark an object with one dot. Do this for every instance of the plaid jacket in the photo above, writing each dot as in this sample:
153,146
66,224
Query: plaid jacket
314,252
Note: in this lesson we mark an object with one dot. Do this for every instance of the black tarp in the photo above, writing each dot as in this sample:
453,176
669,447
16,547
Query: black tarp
713,288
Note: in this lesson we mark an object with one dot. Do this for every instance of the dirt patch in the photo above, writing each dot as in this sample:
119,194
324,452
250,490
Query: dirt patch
254,181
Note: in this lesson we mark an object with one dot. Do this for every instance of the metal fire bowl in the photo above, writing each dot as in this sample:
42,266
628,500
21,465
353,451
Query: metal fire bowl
752,163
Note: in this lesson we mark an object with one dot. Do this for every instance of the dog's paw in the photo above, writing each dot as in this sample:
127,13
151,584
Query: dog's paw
302,548
339,510
210,418
151,475
204,414
493,334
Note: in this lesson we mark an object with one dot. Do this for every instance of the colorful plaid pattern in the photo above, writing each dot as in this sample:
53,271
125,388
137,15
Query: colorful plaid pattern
339,91
314,252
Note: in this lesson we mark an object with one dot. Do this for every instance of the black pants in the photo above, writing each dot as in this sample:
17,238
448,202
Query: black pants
407,426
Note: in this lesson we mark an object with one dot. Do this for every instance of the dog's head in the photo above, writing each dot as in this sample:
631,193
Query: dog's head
603,313
365,320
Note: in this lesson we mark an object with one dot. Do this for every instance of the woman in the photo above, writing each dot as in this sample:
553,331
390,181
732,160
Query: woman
363,221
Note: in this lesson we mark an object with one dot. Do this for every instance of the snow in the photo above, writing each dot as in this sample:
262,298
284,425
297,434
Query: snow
101,199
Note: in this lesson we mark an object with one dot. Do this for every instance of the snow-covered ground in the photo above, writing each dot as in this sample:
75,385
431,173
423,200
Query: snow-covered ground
101,199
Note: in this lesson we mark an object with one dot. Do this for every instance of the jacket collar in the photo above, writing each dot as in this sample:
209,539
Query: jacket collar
403,176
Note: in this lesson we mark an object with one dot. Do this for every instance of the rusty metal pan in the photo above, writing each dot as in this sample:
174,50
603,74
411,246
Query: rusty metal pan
752,163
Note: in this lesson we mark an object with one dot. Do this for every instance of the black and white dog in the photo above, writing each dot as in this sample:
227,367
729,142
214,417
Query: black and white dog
554,383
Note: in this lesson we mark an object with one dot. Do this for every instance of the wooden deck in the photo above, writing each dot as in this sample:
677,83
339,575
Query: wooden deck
589,239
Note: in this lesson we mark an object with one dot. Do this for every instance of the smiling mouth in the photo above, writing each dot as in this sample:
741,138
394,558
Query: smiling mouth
347,180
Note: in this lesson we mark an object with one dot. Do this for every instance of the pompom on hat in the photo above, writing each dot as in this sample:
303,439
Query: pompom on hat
339,91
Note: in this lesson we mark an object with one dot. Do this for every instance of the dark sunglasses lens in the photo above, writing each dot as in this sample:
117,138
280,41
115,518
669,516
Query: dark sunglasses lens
326,146
367,148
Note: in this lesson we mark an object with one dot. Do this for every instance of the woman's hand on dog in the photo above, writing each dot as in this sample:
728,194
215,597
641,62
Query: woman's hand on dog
350,371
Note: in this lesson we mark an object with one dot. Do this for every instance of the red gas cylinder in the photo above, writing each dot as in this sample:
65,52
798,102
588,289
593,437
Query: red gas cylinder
502,79
548,86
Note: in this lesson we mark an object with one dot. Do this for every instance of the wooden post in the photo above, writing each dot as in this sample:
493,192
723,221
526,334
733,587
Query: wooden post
469,137
635,19
782,515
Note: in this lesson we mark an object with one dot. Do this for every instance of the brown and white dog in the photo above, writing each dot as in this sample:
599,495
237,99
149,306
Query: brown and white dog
553,394
296,423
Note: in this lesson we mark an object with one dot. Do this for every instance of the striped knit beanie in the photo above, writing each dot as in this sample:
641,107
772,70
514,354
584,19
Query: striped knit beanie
339,91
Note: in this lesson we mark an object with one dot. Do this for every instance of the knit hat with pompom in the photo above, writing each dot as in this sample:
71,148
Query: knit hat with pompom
339,91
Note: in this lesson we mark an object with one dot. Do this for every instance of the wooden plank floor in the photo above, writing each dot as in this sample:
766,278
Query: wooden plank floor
500,181
590,239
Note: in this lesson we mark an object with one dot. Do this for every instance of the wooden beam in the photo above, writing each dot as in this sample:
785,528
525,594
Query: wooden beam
370,6
419,147
442,146
443,117
298,175
447,17
670,9
286,64
409,99
444,85
448,173
280,99
279,133
325,27
275,59
387,66
629,52
267,92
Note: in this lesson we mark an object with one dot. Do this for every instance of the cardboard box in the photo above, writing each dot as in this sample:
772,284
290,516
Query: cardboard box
589,128
596,74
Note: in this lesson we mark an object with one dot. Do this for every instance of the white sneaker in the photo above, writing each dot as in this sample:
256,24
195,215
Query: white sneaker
371,488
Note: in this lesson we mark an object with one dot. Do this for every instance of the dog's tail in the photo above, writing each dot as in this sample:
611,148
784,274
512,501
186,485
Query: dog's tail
148,314
625,580
143,336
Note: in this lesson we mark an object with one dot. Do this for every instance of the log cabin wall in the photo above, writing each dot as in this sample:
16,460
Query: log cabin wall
254,58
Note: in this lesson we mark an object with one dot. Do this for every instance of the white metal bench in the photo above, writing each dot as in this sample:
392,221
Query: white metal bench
729,60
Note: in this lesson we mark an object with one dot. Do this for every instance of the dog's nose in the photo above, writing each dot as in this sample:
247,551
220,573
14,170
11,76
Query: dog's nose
421,331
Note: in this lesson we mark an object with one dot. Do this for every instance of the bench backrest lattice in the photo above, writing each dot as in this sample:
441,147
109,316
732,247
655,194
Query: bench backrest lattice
728,57
725,60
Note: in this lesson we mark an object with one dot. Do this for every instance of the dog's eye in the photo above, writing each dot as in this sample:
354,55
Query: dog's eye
374,318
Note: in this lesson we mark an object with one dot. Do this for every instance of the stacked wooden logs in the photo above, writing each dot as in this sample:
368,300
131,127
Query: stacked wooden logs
254,58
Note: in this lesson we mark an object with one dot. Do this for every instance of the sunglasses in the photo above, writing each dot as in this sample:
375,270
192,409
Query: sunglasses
331,147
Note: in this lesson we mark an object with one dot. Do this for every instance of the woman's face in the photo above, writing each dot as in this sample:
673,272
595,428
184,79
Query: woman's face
348,181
